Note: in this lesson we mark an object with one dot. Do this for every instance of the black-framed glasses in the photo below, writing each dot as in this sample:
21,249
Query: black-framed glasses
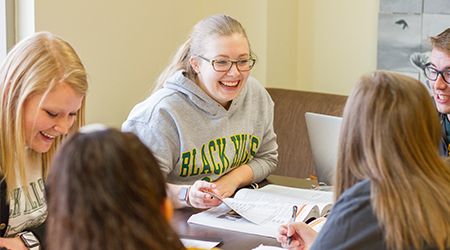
432,74
221,65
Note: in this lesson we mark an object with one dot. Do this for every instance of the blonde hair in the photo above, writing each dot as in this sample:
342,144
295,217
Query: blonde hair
390,134
34,66
203,31
442,41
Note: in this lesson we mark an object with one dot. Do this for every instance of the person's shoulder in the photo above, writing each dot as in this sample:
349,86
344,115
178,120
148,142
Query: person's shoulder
353,203
253,83
360,190
255,88
162,98
155,111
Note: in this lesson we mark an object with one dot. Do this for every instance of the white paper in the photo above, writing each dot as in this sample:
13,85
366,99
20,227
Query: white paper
258,212
191,243
262,247
284,198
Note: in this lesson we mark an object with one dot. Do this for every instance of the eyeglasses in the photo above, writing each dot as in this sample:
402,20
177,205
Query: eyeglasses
221,65
433,74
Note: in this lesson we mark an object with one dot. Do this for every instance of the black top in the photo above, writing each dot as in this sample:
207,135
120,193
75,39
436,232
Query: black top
443,148
352,223
39,231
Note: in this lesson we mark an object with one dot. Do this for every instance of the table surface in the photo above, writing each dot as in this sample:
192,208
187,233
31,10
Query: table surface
233,240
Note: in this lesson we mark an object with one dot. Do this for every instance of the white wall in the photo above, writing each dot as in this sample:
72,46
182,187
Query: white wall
320,45
344,44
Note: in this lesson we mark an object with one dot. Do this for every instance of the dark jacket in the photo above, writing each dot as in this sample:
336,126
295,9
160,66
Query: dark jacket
352,223
39,231
443,147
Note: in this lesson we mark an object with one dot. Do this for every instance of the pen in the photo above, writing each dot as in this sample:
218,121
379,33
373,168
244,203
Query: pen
294,213
209,191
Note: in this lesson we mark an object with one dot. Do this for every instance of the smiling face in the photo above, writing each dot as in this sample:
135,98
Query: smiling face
223,86
53,117
441,90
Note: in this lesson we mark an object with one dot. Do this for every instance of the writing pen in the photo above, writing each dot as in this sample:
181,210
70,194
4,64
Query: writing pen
213,195
292,220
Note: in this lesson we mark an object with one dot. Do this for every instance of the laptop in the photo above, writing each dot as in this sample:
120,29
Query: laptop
323,132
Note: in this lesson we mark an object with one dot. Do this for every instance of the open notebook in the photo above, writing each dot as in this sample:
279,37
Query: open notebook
323,132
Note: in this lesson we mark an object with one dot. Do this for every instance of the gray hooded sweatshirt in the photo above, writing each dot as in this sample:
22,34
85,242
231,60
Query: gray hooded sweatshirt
193,137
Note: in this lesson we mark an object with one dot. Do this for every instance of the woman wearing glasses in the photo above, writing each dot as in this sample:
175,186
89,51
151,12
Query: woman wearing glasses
208,123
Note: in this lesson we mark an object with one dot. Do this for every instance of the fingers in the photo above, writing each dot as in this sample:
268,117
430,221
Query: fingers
201,186
211,193
13,243
293,246
204,184
284,231
293,230
200,199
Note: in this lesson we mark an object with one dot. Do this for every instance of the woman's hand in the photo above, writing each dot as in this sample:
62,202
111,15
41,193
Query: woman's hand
239,177
302,236
226,186
200,199
13,243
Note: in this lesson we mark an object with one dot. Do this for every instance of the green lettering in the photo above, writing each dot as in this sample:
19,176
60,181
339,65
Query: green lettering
195,170
15,203
244,153
39,200
185,160
30,205
206,164
222,145
235,140
207,179
212,149
254,146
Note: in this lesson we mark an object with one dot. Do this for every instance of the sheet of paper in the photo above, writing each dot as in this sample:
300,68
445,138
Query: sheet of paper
201,244
258,212
223,217
262,247
276,193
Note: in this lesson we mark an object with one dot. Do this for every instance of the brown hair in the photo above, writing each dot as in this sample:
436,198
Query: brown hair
390,134
105,191
442,41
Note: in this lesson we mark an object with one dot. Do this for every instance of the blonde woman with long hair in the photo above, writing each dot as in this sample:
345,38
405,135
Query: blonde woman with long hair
209,123
43,85
392,187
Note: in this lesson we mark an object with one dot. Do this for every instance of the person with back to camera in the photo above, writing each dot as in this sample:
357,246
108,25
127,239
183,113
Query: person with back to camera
392,187
43,85
105,190
208,123
438,74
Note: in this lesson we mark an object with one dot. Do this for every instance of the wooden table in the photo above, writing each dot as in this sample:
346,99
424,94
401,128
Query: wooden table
233,240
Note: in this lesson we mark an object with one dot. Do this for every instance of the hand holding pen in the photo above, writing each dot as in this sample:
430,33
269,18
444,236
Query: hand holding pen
292,220
301,238
200,199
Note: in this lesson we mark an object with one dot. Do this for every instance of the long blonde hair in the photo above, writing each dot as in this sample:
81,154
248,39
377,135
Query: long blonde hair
203,31
390,134
34,66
